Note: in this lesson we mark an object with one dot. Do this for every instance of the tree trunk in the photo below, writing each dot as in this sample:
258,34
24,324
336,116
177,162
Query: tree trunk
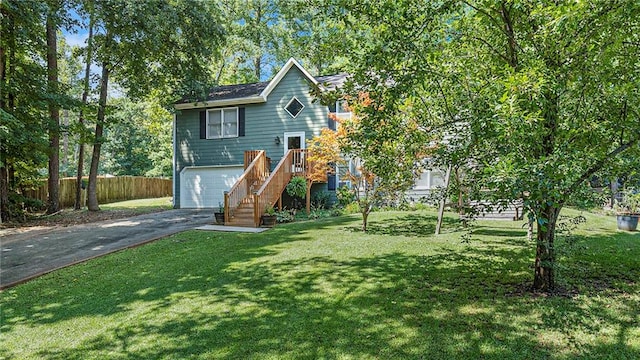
544,269
614,192
4,189
365,216
308,196
443,200
54,117
85,93
65,143
95,158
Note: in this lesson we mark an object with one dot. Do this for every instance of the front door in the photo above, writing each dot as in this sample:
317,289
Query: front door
293,140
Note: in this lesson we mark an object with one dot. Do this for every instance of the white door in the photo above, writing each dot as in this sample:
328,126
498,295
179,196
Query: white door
204,186
293,140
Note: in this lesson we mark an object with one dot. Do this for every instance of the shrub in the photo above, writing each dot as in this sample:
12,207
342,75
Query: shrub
352,208
297,187
19,206
320,199
629,203
285,216
345,196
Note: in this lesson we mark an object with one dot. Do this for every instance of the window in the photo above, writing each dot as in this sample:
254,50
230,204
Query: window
222,123
342,110
294,107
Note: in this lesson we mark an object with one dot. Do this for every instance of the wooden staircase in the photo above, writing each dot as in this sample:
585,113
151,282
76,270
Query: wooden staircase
243,214
258,188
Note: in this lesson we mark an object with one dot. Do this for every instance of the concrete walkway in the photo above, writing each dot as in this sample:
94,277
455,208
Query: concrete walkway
29,254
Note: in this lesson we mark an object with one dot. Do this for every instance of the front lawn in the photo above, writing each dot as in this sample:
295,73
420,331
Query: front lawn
324,290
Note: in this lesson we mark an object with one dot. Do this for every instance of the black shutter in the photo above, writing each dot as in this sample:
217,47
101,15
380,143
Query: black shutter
331,123
241,121
203,124
331,182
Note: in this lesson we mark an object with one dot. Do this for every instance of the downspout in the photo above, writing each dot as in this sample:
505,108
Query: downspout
175,164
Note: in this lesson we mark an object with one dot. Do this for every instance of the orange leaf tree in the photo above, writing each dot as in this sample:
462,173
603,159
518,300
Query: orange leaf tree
383,145
324,153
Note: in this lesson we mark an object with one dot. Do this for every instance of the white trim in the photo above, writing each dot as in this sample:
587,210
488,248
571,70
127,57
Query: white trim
222,110
280,75
220,103
289,103
293,134
209,167
254,99
175,164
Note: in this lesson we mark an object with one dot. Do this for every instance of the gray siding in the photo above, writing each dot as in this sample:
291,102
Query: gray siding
263,122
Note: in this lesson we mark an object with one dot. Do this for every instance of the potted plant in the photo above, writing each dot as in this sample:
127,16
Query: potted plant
269,218
628,210
219,215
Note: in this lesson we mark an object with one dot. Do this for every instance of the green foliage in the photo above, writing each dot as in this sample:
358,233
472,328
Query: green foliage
285,215
320,200
345,195
628,203
269,210
263,34
138,139
19,206
352,208
297,187
529,99
23,97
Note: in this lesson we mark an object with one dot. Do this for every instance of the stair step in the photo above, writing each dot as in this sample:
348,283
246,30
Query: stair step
242,215
241,223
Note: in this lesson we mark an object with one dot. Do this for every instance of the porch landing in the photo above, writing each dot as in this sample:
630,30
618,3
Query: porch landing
231,228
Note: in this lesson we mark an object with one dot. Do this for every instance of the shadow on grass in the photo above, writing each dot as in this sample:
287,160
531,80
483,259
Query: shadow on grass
410,225
211,295
483,230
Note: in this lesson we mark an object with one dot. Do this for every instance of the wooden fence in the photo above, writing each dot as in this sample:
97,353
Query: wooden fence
109,189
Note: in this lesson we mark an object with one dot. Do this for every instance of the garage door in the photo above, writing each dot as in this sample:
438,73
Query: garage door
204,186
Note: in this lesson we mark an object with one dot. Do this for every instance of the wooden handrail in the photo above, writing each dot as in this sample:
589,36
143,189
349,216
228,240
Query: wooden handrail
249,156
292,164
239,192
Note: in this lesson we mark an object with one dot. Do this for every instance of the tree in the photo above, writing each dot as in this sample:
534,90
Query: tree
385,153
150,46
138,139
255,31
23,96
85,95
313,38
324,154
541,96
54,109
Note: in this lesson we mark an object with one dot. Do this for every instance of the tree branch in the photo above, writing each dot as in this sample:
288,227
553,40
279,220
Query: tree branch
599,165
491,48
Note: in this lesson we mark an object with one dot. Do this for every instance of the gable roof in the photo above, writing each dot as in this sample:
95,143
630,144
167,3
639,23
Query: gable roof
254,93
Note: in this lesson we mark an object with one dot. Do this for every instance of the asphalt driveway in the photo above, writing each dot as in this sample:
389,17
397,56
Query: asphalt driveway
33,253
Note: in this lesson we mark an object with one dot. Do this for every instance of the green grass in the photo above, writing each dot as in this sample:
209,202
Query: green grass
322,289
140,204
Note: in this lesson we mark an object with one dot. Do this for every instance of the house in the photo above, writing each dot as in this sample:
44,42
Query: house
234,141
239,147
